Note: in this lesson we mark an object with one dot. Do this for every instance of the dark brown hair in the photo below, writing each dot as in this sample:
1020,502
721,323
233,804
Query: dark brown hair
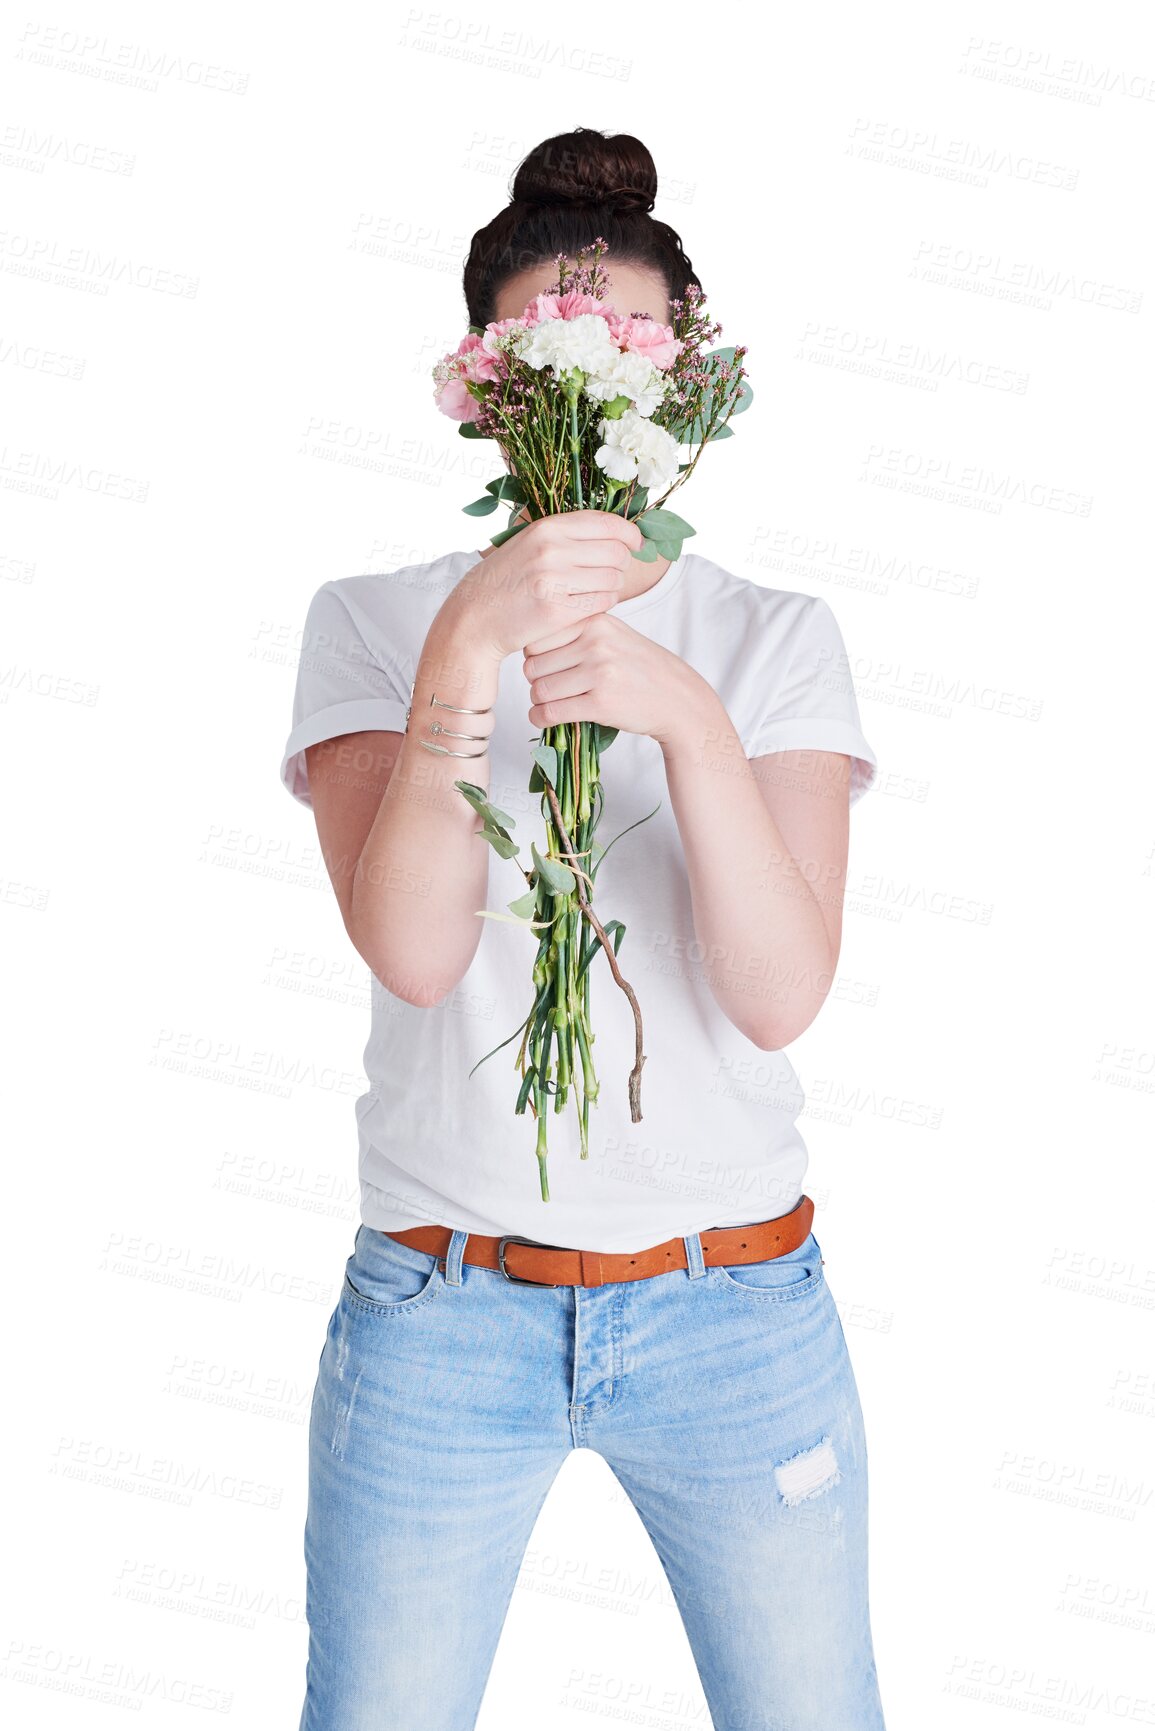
567,191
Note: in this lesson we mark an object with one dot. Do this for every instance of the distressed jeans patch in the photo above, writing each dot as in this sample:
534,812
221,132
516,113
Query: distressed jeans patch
808,1474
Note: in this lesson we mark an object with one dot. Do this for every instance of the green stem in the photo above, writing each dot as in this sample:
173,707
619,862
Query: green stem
575,448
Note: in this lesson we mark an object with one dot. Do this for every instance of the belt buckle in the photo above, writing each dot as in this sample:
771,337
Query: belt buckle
518,1279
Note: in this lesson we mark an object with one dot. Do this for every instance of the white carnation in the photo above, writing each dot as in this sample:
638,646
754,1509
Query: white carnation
583,342
631,375
636,449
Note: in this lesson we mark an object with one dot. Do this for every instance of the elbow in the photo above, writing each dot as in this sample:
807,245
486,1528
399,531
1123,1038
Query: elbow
423,980
786,1028
420,989
768,1039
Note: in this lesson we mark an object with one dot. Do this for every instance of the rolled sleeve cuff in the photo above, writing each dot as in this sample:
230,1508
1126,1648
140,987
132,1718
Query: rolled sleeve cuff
364,715
820,734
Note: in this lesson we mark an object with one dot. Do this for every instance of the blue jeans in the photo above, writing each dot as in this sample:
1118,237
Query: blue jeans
724,1402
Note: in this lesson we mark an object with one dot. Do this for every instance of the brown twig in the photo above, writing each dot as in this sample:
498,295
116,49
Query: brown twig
635,1083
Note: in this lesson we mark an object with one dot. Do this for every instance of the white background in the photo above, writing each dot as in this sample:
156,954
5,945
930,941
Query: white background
231,251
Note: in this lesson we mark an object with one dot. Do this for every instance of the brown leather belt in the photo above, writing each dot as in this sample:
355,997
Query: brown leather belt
537,1264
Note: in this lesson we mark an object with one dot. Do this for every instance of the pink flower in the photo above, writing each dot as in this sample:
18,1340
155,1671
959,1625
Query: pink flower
475,360
497,328
453,399
647,337
567,306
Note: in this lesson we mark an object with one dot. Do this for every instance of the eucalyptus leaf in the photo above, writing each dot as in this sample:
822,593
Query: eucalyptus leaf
556,876
646,553
480,801
500,842
525,906
545,757
480,508
603,736
469,430
637,502
510,487
716,396
663,525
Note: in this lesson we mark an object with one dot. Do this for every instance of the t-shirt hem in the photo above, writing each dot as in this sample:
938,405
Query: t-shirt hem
379,1220
362,715
820,733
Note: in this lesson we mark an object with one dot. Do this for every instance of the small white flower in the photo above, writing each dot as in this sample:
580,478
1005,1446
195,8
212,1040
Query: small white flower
632,375
636,449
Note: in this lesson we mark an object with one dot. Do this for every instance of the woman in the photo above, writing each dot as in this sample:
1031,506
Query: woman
666,1306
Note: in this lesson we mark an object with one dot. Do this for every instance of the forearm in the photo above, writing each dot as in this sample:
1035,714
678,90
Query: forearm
424,872
757,921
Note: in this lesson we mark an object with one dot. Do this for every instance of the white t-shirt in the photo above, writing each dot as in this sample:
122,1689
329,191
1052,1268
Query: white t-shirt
718,1144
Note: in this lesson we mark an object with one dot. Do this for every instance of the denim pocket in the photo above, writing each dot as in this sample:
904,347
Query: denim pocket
386,1276
789,1276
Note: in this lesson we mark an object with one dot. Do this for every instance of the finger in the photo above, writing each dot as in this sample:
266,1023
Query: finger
601,550
539,662
563,684
580,585
588,524
557,711
556,639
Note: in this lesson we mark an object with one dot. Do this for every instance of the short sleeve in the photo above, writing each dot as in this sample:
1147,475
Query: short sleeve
814,706
342,687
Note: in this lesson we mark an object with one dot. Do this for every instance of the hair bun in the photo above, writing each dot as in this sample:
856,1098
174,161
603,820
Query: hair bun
585,167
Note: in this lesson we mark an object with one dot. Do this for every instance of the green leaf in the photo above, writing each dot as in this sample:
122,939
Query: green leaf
500,842
520,1029
510,487
505,534
594,868
469,430
717,396
480,508
603,736
525,906
556,875
647,553
480,801
615,931
527,1084
512,920
476,330
664,526
546,759
637,502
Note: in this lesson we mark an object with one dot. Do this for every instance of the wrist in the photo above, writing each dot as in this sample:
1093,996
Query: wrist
454,666
467,617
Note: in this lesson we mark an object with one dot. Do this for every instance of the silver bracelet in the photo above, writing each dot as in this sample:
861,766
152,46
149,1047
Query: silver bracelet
444,751
435,700
439,727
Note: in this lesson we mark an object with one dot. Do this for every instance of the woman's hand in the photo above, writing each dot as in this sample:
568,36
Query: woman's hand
603,670
553,575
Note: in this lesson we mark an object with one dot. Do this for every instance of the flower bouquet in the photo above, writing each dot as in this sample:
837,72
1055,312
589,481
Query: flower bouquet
591,409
